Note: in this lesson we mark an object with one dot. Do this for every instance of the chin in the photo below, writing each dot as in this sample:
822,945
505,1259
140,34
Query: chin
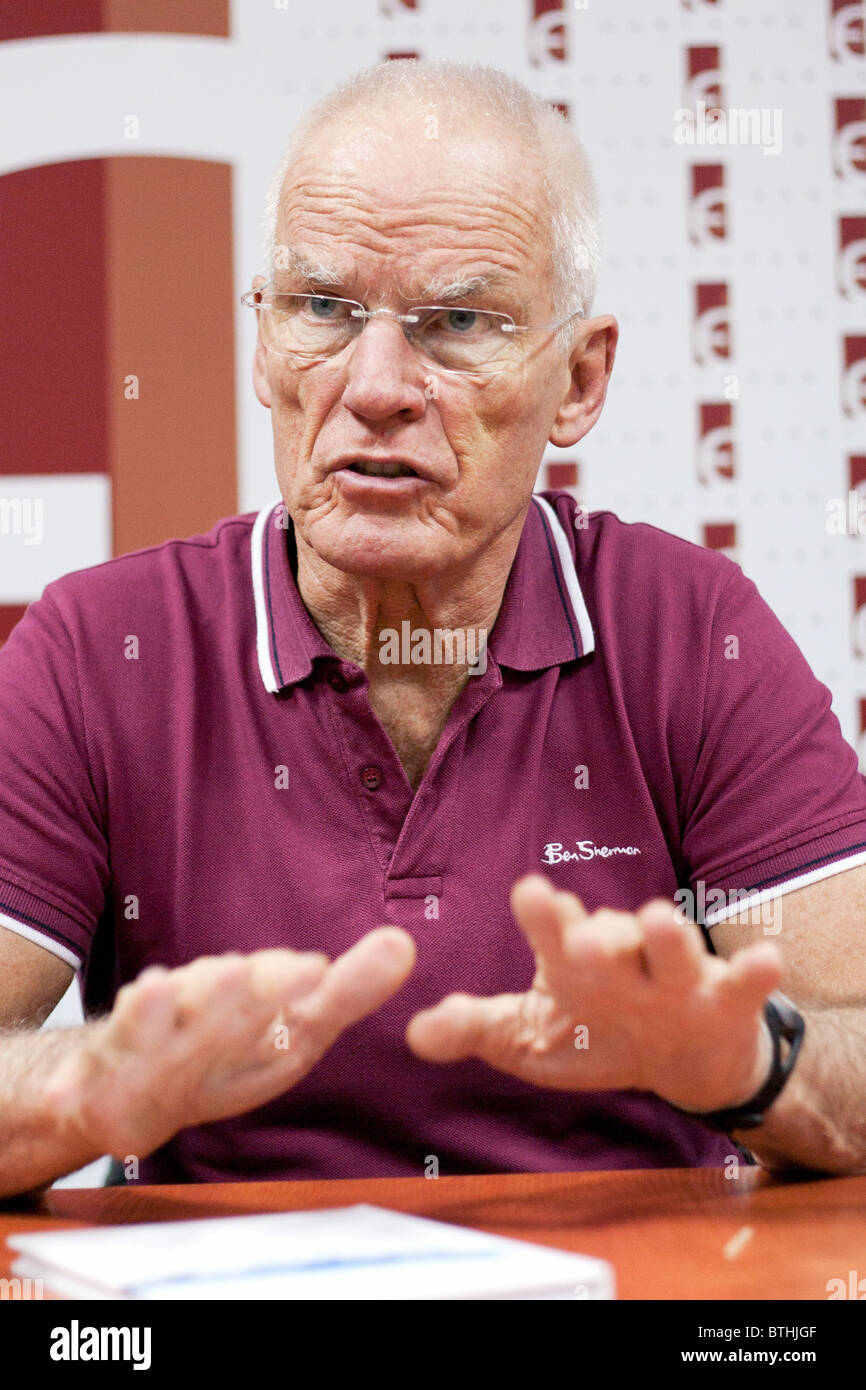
379,547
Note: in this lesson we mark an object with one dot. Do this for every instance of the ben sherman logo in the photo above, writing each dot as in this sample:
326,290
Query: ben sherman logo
586,849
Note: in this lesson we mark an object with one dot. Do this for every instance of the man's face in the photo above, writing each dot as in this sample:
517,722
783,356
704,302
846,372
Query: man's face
391,211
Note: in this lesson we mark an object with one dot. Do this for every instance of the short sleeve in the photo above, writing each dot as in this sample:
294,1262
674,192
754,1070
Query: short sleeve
53,846
776,800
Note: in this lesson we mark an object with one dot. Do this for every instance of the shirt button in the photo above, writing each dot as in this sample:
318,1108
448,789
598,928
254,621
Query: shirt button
338,683
371,777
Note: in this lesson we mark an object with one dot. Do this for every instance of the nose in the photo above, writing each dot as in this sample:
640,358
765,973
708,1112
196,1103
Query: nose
384,377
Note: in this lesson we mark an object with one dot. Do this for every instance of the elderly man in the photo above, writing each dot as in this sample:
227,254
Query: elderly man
412,693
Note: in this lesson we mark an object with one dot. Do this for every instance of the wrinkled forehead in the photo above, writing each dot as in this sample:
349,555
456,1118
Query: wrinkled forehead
388,209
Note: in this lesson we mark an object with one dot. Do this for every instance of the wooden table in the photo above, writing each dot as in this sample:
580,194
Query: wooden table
664,1231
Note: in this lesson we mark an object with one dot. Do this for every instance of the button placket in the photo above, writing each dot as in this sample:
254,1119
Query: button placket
431,820
369,762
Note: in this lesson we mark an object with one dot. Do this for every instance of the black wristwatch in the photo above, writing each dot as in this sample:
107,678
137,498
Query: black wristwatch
786,1025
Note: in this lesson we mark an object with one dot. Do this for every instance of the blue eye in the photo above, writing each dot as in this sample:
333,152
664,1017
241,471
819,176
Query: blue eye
323,308
462,320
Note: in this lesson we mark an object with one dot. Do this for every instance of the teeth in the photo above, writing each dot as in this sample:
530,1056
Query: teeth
382,470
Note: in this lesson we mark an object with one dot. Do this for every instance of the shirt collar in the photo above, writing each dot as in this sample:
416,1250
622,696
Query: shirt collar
543,620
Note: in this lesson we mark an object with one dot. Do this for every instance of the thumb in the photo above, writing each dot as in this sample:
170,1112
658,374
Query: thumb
359,981
464,1026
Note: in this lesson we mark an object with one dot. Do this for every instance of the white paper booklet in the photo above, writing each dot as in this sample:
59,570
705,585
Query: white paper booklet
360,1252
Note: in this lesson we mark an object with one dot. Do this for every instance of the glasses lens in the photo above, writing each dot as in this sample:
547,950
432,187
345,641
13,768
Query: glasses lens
463,340
456,339
308,325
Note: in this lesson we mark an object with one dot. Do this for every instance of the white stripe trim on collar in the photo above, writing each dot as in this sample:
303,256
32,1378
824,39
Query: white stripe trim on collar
263,634
566,560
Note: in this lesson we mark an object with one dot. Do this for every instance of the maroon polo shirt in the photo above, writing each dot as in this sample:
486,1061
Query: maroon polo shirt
187,768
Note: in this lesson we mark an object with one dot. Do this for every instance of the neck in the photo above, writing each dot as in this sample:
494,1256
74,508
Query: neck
363,617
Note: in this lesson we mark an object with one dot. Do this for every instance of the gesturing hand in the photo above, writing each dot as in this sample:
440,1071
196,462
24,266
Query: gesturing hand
619,1000
204,1041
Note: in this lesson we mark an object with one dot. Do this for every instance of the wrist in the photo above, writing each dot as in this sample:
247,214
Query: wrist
757,1078
786,1028
760,1074
67,1096
49,1144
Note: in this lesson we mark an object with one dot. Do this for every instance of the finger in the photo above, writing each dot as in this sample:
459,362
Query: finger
603,940
208,986
462,1025
151,972
355,984
752,975
213,989
276,981
281,977
358,982
674,953
145,1010
544,915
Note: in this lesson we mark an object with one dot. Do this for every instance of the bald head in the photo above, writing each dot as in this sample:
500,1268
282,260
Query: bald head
444,119
426,221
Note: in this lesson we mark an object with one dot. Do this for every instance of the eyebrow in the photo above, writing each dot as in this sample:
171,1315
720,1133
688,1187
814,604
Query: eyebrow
311,272
439,290
462,287
442,291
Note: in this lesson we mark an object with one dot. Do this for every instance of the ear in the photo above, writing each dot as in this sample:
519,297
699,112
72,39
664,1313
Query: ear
260,358
590,366
260,373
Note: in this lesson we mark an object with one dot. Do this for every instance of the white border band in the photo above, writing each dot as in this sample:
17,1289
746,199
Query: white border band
40,939
566,560
257,554
780,889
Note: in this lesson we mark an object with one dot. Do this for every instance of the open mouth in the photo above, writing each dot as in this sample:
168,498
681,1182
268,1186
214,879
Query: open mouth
382,470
